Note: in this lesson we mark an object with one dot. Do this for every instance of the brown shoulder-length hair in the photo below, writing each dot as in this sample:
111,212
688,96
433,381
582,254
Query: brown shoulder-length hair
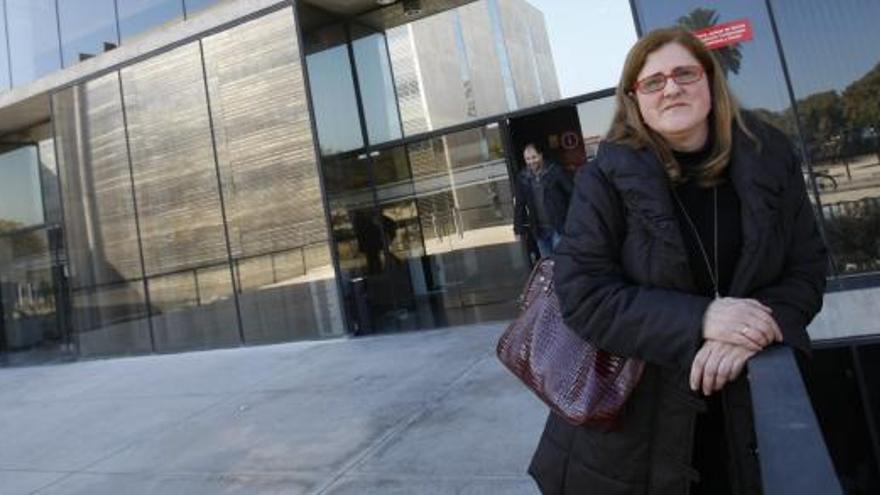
628,127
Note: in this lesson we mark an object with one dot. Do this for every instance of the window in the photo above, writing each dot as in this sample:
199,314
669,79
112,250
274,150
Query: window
88,28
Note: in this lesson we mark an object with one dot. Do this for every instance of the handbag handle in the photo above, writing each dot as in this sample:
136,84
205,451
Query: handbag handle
522,300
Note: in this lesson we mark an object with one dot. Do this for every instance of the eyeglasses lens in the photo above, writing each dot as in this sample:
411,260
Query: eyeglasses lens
681,75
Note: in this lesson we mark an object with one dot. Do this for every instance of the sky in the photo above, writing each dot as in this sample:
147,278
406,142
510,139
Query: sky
589,40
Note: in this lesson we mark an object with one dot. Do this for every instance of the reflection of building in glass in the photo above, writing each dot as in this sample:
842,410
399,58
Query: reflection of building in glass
478,60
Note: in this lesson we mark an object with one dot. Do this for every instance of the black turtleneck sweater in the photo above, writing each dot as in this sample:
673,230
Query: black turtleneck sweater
710,456
698,201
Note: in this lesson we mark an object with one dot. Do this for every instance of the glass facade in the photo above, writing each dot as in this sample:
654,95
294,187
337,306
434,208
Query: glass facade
105,266
33,295
192,202
32,31
277,228
87,27
833,56
38,37
333,90
27,290
477,60
373,68
22,200
138,17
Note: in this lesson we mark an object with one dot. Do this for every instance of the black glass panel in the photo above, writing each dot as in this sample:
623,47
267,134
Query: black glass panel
137,17
869,360
832,381
833,56
33,39
88,28
269,172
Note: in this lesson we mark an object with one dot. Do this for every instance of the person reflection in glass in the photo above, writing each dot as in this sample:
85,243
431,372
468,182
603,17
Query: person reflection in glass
543,190
374,238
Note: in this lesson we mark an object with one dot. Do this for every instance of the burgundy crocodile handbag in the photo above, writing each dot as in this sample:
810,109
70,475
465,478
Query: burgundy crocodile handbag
583,384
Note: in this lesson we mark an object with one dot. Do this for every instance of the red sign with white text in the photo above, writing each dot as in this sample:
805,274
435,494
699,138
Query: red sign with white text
721,35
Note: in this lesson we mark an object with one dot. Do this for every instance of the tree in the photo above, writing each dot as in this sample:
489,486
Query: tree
822,120
729,57
861,105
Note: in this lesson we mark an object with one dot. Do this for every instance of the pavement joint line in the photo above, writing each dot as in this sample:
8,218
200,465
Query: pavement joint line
51,483
171,424
226,397
35,470
394,431
213,474
86,400
424,477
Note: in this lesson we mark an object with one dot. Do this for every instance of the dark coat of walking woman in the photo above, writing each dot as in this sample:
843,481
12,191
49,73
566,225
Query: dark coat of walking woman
691,244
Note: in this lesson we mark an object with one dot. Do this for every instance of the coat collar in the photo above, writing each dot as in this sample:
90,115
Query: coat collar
645,189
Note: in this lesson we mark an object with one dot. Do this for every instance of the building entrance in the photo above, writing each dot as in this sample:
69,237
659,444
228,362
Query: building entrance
33,325
557,131
424,232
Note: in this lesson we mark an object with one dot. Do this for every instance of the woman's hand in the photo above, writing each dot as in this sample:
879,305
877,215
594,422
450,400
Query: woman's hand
743,322
717,364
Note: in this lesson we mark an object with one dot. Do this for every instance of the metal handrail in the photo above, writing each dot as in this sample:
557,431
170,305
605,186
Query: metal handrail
793,455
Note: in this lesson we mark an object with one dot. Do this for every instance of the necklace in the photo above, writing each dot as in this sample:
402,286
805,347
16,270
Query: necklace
713,274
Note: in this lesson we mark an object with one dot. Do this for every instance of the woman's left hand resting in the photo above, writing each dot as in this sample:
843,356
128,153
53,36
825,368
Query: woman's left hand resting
717,364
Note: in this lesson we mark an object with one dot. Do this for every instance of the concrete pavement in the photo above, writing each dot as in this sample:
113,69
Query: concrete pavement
417,413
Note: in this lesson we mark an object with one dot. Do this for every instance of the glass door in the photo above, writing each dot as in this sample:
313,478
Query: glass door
32,292
424,233
463,190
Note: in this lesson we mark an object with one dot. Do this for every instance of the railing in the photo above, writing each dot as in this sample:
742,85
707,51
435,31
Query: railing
793,455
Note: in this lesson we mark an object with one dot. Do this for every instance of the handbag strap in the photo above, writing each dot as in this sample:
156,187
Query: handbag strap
543,265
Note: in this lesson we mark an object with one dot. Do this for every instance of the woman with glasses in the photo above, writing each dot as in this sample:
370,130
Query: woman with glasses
690,244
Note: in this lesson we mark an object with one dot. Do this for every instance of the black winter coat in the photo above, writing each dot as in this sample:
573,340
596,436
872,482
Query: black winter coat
624,283
557,193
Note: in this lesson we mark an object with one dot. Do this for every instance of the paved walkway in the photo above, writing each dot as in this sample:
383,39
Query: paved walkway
417,413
